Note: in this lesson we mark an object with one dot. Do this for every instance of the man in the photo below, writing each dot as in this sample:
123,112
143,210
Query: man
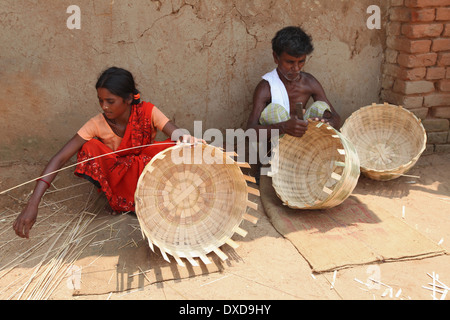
279,99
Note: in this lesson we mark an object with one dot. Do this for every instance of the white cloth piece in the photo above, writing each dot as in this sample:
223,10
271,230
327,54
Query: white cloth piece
277,89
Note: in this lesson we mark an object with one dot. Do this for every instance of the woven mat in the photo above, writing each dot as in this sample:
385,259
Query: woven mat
350,234
119,259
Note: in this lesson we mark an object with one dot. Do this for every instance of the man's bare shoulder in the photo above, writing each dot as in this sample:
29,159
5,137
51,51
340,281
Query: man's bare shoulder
263,85
309,81
309,78
263,89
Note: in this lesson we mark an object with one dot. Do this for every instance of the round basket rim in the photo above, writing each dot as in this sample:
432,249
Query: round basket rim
346,182
406,111
224,237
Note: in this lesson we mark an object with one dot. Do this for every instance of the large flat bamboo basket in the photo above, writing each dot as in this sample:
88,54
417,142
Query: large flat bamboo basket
317,171
190,200
389,140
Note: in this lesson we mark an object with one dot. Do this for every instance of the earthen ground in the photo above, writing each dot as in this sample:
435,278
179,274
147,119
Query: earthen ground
267,266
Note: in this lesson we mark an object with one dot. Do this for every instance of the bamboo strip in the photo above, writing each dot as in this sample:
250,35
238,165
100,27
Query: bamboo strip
232,244
250,218
249,178
220,253
205,260
75,164
253,191
243,165
252,205
241,232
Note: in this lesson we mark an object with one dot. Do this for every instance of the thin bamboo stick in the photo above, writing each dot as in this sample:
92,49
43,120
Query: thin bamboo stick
75,164
56,265
43,259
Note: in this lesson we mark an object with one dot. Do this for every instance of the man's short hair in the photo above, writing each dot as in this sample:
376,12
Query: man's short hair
292,40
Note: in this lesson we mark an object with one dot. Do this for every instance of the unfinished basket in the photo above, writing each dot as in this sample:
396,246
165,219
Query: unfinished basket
190,200
317,171
389,140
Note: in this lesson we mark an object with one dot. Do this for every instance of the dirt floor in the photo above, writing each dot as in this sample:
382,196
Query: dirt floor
265,266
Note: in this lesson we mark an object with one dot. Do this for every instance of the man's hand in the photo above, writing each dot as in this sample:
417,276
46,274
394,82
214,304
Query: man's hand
295,127
327,118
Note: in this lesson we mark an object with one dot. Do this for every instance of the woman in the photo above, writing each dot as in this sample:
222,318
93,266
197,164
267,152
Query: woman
126,124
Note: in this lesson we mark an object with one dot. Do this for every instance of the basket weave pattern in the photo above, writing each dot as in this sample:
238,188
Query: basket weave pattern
389,140
190,209
317,171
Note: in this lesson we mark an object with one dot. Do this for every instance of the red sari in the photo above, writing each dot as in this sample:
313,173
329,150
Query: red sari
117,174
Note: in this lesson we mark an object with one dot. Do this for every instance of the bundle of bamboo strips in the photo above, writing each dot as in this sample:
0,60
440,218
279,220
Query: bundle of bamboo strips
63,246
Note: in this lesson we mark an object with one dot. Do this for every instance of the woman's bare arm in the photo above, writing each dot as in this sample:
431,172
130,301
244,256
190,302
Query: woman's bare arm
25,221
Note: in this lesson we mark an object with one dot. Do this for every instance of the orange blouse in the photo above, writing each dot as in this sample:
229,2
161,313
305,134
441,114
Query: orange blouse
97,127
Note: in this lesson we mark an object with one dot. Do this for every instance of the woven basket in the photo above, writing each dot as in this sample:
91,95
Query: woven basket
389,140
317,171
190,208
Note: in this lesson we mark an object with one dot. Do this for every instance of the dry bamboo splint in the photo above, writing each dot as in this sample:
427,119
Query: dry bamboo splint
317,171
191,208
389,140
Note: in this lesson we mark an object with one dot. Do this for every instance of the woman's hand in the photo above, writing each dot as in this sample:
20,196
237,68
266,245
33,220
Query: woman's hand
25,221
190,139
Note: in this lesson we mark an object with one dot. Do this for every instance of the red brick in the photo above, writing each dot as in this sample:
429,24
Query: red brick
443,14
422,30
437,99
444,85
417,60
393,28
447,76
426,3
409,102
413,87
391,55
435,73
446,31
409,45
442,148
420,113
437,137
441,44
441,112
412,74
387,82
403,14
402,73
422,15
443,59
396,3
436,125
391,69
400,14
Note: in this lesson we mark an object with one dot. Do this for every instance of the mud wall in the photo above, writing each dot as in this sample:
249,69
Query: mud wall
194,59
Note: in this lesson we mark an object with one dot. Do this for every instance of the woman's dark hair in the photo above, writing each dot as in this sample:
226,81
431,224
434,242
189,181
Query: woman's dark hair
292,40
119,82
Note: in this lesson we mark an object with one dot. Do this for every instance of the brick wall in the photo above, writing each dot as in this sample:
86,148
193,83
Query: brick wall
416,72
